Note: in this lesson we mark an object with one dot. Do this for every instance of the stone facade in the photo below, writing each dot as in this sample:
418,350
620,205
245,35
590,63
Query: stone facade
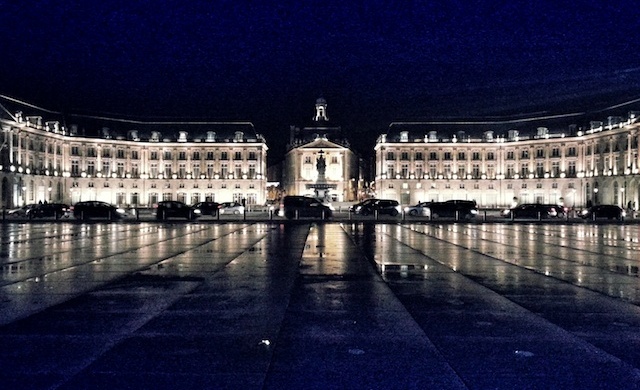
128,163
577,167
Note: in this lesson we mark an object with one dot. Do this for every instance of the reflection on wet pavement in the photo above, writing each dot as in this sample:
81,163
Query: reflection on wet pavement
306,305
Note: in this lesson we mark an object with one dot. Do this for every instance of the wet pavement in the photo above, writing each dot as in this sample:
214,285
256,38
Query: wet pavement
302,305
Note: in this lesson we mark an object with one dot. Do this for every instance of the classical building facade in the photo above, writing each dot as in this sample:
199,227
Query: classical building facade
46,156
597,163
319,162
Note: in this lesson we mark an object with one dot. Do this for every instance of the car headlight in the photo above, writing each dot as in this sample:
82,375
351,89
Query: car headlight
584,212
623,213
197,211
120,211
474,211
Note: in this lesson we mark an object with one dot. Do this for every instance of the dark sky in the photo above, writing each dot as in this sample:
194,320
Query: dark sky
267,62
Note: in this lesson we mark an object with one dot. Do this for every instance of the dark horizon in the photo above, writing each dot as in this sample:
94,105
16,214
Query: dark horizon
374,62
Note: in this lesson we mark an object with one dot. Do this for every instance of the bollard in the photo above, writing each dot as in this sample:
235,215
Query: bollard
539,216
375,214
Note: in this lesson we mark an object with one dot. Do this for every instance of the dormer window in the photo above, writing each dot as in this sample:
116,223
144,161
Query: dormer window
404,136
239,136
182,137
211,136
155,136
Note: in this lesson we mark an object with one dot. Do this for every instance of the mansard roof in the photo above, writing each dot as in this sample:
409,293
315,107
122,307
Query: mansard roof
568,124
125,128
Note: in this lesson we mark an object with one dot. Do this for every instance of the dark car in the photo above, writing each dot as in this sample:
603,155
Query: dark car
381,206
95,209
21,211
207,208
176,209
49,210
305,207
531,211
459,209
603,211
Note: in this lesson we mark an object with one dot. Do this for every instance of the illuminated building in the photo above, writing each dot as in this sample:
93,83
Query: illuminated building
48,156
337,180
580,166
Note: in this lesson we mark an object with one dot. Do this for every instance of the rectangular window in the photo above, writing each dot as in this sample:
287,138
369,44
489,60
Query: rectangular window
210,156
391,156
224,156
120,153
237,156
475,171
167,155
462,156
182,155
404,171
419,156
75,168
252,155
135,155
195,156
91,168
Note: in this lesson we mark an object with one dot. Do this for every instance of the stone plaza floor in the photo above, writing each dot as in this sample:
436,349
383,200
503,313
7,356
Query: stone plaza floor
305,305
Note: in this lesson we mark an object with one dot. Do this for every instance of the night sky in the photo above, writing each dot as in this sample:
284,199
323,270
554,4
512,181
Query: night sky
373,61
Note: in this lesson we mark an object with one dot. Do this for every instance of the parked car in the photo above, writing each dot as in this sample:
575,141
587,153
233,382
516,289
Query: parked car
421,208
176,209
531,211
231,208
49,210
207,208
20,212
305,207
381,206
94,209
603,211
454,208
